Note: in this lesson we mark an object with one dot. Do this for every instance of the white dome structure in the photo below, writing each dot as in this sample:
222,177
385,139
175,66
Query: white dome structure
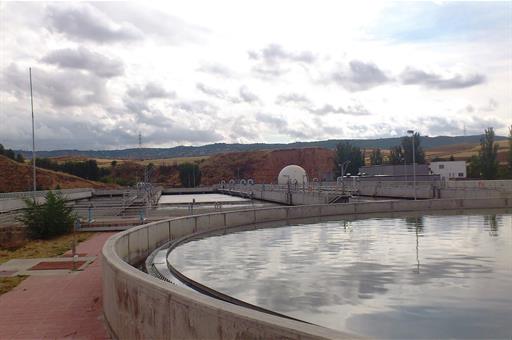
292,174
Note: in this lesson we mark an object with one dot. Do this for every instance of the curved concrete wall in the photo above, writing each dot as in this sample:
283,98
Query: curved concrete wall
137,305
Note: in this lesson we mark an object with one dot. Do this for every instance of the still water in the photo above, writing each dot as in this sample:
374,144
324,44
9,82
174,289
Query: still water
415,277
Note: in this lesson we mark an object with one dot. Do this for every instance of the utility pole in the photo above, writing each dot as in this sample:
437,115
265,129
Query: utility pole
33,135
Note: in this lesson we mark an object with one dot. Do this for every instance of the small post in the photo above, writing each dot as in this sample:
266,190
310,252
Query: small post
89,214
73,247
141,216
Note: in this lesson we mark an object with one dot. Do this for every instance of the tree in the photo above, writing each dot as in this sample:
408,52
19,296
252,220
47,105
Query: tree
49,219
474,167
396,155
113,165
9,153
347,152
407,143
488,155
20,158
510,151
376,157
190,175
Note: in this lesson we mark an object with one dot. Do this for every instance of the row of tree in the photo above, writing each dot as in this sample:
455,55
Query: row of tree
9,153
400,154
88,169
484,165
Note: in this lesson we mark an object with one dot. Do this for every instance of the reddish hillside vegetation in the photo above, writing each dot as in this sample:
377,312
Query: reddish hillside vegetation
264,166
15,176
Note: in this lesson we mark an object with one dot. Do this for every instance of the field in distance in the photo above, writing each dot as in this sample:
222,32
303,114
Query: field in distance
105,162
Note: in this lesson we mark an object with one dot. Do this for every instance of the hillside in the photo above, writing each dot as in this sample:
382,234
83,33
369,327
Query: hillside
220,148
462,152
264,166
18,177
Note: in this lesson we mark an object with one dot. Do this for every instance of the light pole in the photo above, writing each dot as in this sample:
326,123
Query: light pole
343,167
33,137
411,132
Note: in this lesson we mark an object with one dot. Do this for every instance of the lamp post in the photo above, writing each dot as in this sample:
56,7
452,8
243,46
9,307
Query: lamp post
411,132
33,137
343,168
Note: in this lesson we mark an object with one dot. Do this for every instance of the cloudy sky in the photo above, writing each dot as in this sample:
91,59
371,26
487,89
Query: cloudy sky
194,73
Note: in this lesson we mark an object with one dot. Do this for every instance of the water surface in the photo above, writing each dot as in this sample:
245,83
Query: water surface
415,277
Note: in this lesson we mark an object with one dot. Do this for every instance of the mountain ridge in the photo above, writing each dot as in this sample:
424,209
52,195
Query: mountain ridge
219,148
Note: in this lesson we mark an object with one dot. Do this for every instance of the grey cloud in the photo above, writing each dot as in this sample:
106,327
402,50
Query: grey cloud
412,76
492,105
150,91
171,29
360,76
84,59
271,59
292,98
81,133
354,110
274,53
216,93
274,121
85,22
280,125
62,87
272,71
247,96
196,106
243,127
181,134
137,98
216,69
436,125
210,91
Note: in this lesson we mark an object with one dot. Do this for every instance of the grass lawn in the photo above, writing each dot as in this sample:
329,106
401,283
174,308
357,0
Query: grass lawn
35,249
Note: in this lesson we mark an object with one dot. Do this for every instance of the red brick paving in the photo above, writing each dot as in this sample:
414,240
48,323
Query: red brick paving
68,254
63,306
44,265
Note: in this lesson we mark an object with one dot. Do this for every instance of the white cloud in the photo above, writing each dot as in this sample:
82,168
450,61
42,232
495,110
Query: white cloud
312,75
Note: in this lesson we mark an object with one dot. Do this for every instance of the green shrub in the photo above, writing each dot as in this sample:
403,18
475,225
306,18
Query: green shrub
49,219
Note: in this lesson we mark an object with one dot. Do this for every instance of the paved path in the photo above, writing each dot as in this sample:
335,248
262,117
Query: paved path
63,306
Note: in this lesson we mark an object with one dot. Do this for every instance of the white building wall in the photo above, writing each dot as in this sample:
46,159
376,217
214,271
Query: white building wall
449,169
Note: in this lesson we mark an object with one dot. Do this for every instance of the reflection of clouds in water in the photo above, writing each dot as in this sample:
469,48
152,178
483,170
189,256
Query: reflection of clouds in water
427,322
332,270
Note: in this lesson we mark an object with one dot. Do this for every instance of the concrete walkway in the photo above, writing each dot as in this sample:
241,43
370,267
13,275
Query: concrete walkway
61,306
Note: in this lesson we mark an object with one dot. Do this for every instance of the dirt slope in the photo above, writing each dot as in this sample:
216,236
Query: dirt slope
264,166
15,176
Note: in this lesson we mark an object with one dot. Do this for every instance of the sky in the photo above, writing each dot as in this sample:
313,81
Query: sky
200,72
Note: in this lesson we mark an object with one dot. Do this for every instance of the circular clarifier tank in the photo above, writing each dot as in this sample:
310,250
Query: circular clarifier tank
432,276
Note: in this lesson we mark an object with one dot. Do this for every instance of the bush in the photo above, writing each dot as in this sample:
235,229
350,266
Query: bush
49,219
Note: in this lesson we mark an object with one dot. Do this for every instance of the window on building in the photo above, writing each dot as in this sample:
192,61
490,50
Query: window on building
461,174
441,166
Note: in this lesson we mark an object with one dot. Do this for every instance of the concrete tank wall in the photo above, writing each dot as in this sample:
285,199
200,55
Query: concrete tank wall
11,204
137,305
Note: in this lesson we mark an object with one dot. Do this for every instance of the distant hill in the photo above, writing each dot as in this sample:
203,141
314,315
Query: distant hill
221,148
18,177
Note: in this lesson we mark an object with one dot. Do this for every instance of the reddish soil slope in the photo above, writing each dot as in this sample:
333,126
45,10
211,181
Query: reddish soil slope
15,176
264,166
